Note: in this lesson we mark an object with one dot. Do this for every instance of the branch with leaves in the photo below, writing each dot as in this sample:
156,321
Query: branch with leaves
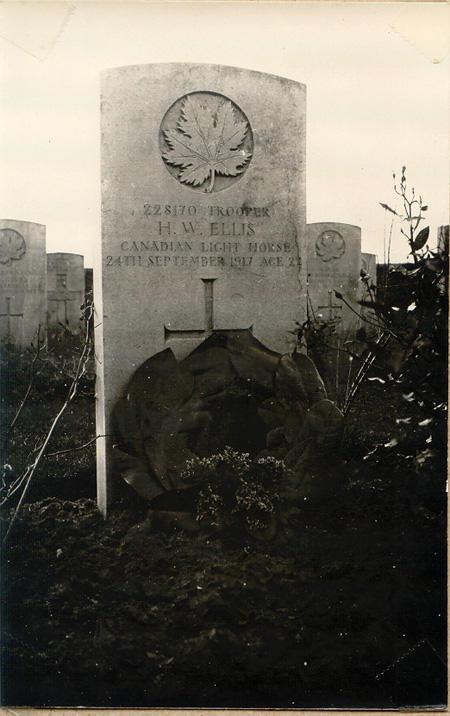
413,214
412,308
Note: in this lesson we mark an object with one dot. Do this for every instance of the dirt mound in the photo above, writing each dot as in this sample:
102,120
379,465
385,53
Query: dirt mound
118,614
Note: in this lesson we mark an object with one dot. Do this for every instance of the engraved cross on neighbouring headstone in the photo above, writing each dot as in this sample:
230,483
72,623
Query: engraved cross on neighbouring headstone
8,315
201,334
62,301
334,311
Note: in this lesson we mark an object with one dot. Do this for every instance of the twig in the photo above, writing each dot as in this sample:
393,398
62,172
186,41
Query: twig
389,244
380,327
382,341
337,369
78,447
30,384
347,387
31,469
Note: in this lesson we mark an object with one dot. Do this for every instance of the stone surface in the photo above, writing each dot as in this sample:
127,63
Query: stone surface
369,265
231,391
23,299
203,218
88,282
65,291
334,263
442,238
368,282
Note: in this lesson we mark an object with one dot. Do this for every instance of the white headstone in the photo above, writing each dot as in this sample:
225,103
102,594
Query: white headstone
334,263
23,299
65,291
203,172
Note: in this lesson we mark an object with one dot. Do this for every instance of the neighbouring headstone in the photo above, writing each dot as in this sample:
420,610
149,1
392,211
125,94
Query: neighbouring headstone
334,264
367,282
442,238
203,219
65,291
88,282
23,296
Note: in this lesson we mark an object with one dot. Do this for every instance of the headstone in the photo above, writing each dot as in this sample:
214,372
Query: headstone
203,173
88,282
65,291
367,281
442,239
334,264
23,299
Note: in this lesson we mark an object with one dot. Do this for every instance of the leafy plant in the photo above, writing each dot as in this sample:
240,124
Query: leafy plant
206,143
237,491
413,213
410,352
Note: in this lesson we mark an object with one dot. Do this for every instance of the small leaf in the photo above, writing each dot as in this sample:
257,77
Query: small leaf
421,239
339,295
388,208
424,208
392,443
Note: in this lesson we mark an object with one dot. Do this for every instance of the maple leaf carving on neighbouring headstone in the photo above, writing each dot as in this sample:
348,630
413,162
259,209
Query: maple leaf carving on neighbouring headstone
206,143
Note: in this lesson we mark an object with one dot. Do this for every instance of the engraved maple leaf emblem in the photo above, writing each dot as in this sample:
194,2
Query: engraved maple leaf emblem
206,143
12,246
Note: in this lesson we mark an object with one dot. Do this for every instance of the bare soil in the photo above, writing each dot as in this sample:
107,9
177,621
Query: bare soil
346,609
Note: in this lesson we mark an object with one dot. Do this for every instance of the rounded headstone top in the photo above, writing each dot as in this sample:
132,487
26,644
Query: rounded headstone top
328,239
20,239
4,223
183,66
64,255
62,261
338,225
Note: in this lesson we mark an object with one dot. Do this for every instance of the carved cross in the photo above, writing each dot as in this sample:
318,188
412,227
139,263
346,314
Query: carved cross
334,311
8,315
62,300
202,333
